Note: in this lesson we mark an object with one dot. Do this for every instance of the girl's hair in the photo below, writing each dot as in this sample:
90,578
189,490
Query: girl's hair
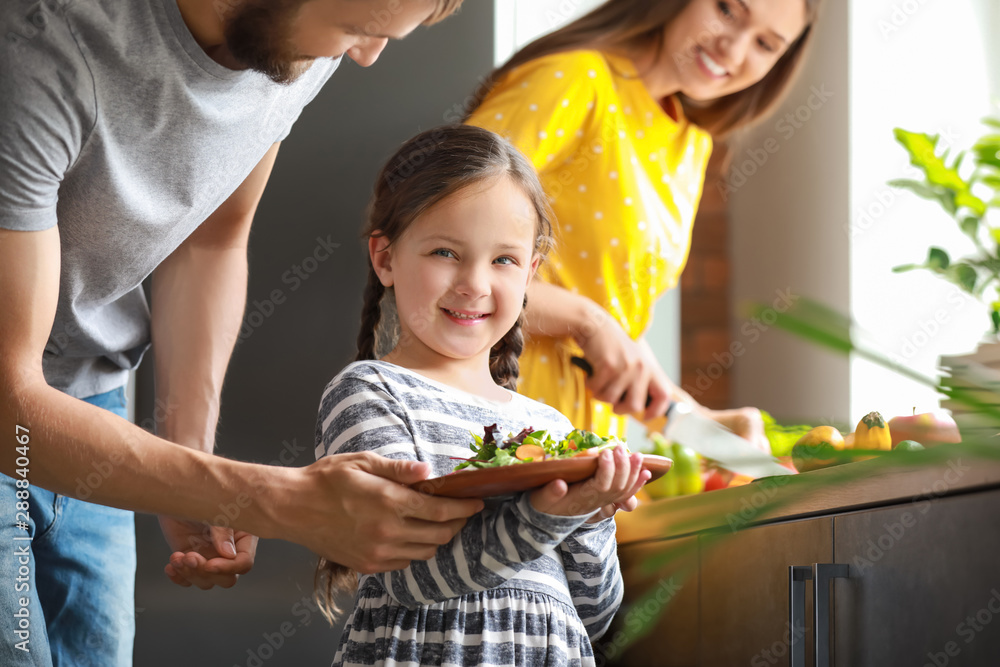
427,169
621,26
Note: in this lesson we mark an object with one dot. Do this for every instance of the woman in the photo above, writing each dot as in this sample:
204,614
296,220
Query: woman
617,111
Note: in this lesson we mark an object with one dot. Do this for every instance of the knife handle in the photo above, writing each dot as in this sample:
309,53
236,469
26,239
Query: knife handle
585,366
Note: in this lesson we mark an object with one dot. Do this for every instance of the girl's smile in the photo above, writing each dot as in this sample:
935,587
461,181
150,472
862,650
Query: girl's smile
465,318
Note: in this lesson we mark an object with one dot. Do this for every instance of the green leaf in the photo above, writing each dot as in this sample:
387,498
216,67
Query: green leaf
923,154
963,275
937,259
995,317
970,201
970,226
902,268
991,180
987,153
992,122
995,233
919,188
947,199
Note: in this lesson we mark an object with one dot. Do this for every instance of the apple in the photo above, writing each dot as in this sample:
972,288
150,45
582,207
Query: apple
927,428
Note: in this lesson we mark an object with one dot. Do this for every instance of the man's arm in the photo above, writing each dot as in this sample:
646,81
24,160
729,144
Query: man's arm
199,294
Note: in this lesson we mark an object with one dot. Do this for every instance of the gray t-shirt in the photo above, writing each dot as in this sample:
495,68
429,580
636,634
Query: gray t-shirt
117,127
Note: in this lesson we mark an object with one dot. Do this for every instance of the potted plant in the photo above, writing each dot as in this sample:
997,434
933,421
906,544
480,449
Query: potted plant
969,200
969,194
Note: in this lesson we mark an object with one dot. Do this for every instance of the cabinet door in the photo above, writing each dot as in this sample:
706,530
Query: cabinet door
657,624
744,591
924,586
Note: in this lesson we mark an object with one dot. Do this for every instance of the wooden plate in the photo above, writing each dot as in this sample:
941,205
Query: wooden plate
485,482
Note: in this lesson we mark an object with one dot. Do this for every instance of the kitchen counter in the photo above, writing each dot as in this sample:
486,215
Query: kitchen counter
902,547
917,478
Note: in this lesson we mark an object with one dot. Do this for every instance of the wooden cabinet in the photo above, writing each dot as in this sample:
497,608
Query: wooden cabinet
744,585
659,617
923,587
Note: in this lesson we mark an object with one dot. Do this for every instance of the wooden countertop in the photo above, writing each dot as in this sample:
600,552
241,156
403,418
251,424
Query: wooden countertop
898,478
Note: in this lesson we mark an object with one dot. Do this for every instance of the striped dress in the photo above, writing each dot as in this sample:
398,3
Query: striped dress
515,586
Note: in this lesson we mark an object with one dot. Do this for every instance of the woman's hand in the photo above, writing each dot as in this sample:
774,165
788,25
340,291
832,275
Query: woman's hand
626,372
744,422
618,478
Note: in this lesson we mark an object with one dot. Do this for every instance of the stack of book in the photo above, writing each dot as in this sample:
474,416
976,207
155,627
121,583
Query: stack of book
976,378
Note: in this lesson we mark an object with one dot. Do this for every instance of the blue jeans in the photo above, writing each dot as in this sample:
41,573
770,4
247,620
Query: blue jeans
69,590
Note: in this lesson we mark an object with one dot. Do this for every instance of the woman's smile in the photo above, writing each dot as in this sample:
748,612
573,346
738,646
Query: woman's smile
709,66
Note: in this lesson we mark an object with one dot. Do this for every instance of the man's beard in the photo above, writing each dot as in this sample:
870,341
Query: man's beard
258,35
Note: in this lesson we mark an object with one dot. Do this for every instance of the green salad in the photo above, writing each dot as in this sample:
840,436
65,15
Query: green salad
493,450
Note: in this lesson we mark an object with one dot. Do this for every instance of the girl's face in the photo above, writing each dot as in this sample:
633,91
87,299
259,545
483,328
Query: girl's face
460,272
718,47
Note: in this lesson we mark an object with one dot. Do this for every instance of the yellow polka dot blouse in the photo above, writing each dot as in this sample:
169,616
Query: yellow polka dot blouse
624,180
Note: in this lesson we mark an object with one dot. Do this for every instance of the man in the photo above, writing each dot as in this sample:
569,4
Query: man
136,137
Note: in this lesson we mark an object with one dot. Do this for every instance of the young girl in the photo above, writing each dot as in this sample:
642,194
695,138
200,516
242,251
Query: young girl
457,226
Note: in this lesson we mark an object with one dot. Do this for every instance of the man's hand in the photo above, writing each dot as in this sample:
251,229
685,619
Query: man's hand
357,510
206,556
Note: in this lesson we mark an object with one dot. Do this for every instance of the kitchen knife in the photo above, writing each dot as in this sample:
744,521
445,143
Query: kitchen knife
710,438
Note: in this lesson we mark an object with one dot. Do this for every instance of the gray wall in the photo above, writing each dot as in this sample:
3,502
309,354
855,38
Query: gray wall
787,215
319,189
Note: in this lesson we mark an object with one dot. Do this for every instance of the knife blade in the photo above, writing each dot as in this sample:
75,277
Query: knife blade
710,438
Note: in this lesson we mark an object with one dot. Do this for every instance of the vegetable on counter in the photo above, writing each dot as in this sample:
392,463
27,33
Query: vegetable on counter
782,438
684,478
872,433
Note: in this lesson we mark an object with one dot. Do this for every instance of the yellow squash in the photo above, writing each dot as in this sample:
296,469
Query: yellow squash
872,433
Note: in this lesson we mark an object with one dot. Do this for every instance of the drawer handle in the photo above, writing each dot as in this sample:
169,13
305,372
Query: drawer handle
820,574
798,575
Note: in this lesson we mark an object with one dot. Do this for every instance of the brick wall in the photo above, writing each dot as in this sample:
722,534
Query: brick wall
705,332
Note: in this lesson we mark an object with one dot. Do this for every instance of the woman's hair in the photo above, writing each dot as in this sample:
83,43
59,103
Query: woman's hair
442,10
621,26
427,169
